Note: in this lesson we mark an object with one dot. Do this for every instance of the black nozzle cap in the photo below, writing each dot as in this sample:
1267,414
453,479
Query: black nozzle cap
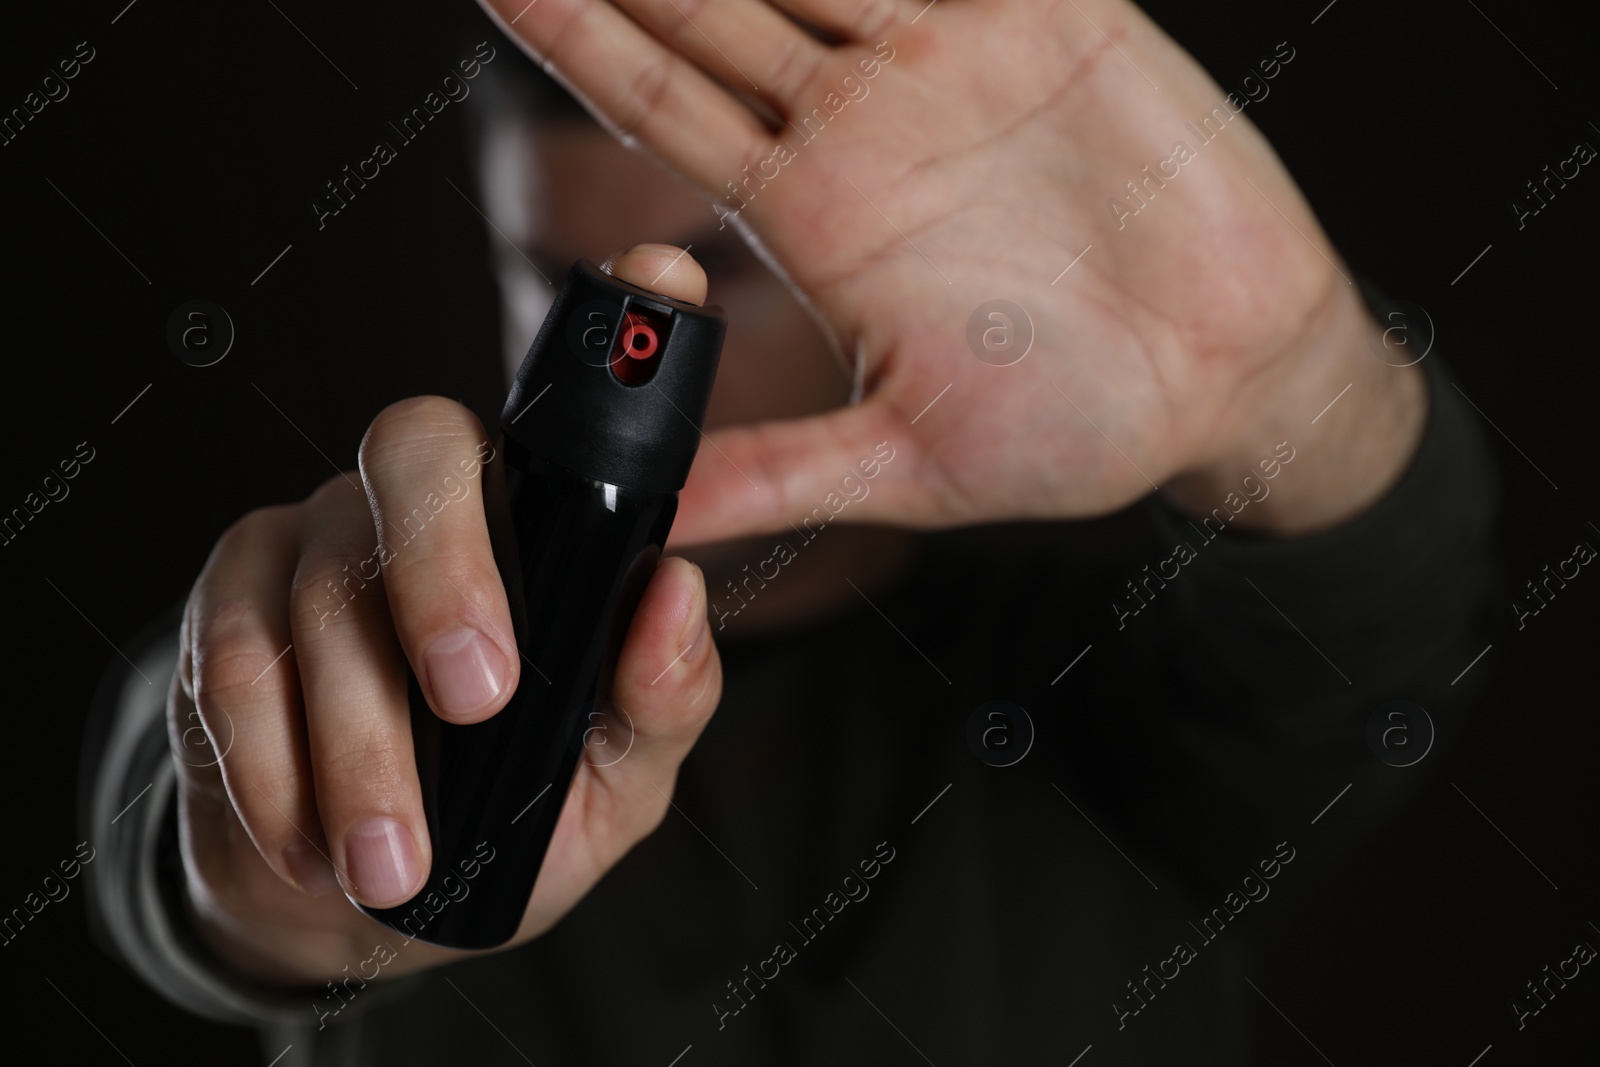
570,407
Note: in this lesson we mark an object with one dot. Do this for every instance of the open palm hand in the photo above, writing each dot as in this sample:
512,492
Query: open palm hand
940,157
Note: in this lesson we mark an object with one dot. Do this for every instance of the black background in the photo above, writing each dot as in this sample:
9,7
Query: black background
199,134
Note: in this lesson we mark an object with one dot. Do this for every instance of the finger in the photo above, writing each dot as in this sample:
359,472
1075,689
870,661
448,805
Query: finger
667,684
215,843
240,675
352,675
745,44
665,269
852,464
422,460
636,86
854,20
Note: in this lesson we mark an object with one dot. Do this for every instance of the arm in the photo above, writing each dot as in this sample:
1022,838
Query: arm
1262,659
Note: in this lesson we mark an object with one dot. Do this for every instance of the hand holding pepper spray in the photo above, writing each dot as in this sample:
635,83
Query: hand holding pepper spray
621,377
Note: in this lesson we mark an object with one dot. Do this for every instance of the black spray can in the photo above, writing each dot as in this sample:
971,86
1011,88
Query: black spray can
598,433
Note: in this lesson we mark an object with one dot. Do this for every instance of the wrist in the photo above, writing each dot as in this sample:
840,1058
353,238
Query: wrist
1350,421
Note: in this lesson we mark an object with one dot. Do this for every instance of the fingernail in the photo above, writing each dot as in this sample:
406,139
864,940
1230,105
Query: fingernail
466,671
313,874
382,860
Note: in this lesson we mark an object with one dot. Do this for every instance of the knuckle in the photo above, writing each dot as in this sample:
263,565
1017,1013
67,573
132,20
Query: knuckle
366,773
334,492
644,95
246,533
341,586
229,653
471,572
797,66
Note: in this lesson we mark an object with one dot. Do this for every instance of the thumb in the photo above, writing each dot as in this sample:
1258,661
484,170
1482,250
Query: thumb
852,464
665,269
759,479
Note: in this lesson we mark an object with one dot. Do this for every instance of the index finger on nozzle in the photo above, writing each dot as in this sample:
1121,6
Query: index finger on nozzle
665,269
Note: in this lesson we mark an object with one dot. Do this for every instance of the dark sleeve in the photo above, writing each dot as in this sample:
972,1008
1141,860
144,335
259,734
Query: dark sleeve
127,809
1233,708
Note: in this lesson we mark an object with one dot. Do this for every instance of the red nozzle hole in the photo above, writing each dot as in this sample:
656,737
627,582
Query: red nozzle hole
638,339
633,361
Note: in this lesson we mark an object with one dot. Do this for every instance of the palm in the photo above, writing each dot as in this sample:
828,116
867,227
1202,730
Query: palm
979,165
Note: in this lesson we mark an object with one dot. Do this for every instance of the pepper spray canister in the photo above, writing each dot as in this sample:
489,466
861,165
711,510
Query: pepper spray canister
598,433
